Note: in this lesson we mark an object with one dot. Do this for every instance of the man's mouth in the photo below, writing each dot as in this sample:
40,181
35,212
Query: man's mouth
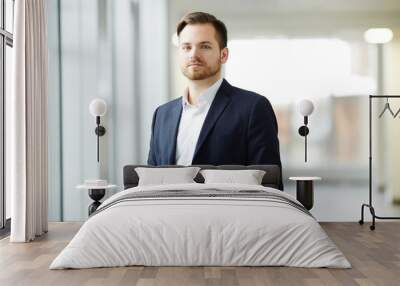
194,64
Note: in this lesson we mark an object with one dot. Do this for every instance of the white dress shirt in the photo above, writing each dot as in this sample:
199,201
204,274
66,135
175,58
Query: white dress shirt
192,120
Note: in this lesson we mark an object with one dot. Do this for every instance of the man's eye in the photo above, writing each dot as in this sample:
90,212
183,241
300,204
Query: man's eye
206,47
186,48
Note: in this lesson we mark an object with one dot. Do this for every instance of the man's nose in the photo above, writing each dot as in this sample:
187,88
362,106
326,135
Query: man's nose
194,52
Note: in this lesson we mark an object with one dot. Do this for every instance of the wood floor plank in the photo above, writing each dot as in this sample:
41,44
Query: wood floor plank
374,255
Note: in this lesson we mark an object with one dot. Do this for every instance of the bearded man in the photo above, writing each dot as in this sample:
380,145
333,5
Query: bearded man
213,123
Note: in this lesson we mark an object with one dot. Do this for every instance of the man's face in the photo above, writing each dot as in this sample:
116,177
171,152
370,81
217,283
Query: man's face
200,56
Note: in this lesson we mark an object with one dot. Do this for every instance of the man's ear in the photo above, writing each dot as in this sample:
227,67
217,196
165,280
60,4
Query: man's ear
224,55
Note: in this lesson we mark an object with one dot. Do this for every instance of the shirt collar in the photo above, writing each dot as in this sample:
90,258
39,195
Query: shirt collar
206,97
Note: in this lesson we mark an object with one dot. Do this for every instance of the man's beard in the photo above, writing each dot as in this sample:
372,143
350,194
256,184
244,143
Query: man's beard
203,73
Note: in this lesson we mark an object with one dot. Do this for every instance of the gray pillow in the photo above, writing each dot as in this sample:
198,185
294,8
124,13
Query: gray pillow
248,177
164,176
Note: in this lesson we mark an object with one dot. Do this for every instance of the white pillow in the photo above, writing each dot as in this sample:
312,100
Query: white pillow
164,176
248,177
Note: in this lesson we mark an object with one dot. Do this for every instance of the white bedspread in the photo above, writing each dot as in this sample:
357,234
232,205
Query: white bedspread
200,231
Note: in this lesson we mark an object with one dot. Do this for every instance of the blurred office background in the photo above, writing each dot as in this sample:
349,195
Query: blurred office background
123,51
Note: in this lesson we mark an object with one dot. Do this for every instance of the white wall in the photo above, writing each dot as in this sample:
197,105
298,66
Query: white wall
392,150
154,45
54,132
115,50
121,51
79,72
293,19
342,19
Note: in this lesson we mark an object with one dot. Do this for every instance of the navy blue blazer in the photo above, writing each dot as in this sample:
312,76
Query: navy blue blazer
240,129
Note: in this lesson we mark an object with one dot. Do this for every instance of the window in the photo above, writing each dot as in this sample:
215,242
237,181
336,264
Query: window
6,44
334,73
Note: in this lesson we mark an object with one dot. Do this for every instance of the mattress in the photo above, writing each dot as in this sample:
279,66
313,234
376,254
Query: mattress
201,225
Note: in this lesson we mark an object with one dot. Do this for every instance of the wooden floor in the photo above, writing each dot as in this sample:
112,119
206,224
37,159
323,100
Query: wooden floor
374,255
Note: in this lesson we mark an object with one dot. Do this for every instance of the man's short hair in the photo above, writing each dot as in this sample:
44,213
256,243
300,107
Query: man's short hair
205,18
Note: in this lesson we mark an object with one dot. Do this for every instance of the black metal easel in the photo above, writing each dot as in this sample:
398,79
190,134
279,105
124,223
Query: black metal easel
369,205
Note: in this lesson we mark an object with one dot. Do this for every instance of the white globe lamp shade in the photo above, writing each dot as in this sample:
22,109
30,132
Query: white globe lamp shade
378,35
306,107
175,39
98,107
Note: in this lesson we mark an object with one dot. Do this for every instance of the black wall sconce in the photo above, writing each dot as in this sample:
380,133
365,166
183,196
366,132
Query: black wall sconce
306,107
98,108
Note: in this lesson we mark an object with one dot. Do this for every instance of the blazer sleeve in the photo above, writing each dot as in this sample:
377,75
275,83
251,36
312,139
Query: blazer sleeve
152,159
262,136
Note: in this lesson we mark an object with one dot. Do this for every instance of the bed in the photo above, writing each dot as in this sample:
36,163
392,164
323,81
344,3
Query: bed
201,224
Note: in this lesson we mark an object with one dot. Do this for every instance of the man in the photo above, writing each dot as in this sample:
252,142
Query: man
213,122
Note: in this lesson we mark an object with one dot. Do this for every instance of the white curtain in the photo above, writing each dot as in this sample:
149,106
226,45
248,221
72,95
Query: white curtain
28,123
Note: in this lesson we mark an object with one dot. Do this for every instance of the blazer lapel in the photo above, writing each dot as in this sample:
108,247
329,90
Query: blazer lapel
173,126
218,105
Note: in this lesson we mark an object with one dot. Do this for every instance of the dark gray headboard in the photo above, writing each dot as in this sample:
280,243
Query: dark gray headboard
271,178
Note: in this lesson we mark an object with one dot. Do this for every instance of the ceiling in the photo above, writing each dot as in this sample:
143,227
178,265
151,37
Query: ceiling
269,6
346,18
